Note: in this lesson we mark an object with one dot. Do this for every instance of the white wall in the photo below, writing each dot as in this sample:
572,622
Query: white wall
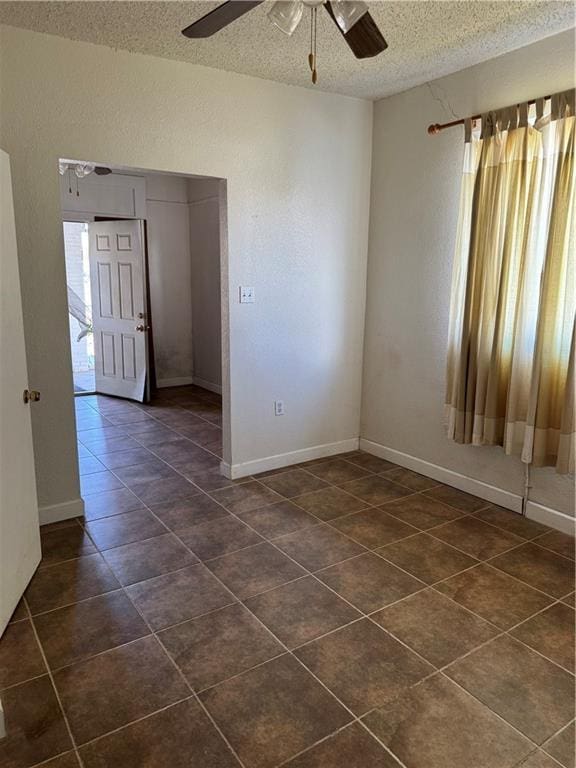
170,275
414,209
297,164
204,215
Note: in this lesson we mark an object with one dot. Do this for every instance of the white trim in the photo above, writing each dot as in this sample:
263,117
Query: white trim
181,381
280,460
56,512
550,517
217,388
468,484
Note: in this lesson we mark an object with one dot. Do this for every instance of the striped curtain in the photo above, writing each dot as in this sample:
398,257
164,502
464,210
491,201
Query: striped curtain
510,370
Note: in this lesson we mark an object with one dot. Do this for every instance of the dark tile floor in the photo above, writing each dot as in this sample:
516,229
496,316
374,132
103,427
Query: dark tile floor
345,613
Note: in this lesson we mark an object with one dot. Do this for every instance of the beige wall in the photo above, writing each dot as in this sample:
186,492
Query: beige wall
204,219
170,277
297,164
414,208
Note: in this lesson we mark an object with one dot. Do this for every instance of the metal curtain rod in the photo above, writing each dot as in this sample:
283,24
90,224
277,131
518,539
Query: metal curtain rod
435,128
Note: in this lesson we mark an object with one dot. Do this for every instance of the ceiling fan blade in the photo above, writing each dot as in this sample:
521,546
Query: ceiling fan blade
364,38
219,18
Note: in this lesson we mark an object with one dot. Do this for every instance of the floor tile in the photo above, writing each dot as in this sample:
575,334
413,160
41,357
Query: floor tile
114,531
146,472
511,521
110,503
117,687
410,479
179,596
558,542
178,737
543,699
109,444
89,464
337,471
301,611
369,582
82,630
20,655
145,559
159,434
421,512
273,712
254,570
494,596
476,538
36,730
455,498
245,497
275,520
371,463
62,544
222,644
329,503
177,450
426,558
570,599
373,528
562,748
184,514
540,568
218,537
318,547
99,481
69,582
435,627
158,491
125,458
363,665
430,727
294,483
375,489
551,633
352,747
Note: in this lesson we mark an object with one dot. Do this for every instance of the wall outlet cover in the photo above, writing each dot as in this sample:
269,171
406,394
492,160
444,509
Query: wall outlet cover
247,294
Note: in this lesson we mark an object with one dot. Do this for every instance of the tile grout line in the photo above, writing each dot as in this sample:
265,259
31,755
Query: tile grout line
56,692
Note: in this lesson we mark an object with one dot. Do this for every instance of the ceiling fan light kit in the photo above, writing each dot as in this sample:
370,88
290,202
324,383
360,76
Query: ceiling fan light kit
351,17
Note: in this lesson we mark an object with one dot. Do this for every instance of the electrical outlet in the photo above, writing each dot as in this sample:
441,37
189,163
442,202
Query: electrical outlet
279,408
247,295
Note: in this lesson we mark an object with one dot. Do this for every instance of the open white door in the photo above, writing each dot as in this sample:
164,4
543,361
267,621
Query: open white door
19,525
119,313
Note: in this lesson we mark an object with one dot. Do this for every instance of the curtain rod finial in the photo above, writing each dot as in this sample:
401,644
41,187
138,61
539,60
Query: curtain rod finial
434,128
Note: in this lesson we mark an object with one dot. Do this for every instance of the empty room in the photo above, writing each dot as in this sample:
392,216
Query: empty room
287,384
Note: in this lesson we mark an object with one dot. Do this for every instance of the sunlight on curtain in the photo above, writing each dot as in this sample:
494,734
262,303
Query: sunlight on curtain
510,373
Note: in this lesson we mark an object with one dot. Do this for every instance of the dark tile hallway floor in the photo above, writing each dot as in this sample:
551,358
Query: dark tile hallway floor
345,613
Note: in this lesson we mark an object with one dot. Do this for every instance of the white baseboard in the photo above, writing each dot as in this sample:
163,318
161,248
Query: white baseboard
280,460
182,381
550,517
217,388
56,512
476,487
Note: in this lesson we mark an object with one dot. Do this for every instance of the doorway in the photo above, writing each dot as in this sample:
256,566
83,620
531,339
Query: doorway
181,220
79,305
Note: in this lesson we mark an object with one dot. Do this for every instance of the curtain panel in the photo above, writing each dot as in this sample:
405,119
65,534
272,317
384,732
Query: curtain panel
510,368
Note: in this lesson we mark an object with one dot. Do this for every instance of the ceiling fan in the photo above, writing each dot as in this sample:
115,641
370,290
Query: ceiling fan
351,17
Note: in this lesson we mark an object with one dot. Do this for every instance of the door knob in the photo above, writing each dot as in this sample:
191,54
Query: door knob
31,396
142,328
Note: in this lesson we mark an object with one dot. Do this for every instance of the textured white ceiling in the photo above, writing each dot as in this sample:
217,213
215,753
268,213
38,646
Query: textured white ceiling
427,38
